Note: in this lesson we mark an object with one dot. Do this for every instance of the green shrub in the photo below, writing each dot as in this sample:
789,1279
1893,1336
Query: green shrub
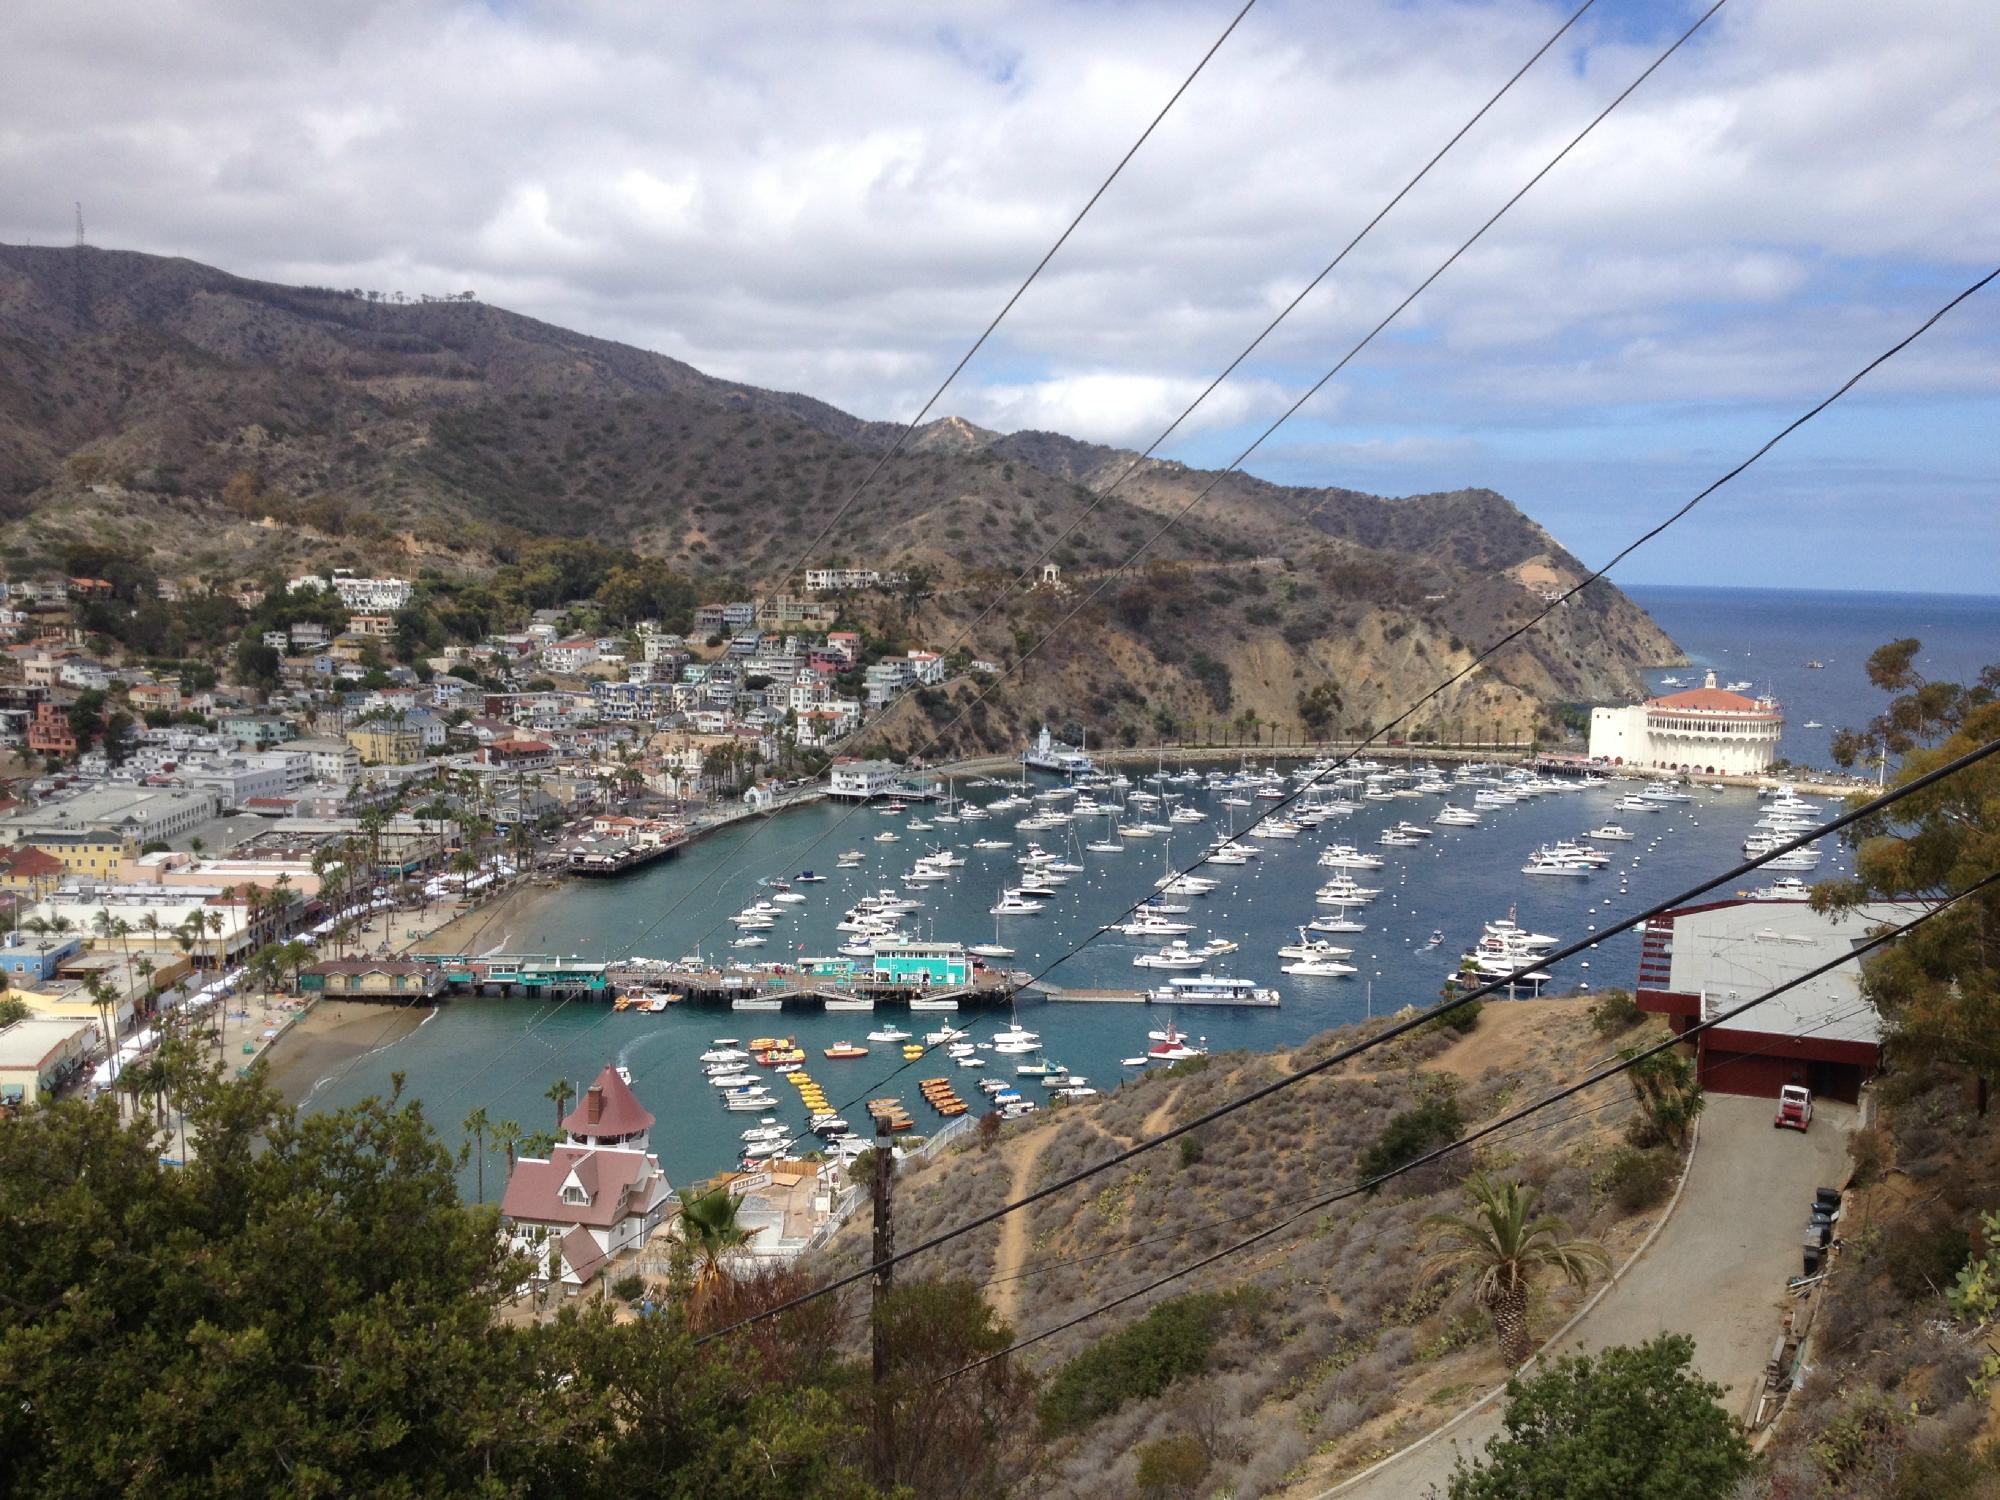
1172,1342
1638,1179
629,1287
1411,1134
1615,1011
1191,1150
1460,1019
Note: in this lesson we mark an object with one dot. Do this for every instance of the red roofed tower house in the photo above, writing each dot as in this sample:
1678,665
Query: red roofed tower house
598,1194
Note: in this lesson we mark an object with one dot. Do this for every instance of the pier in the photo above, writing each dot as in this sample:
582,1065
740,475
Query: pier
575,978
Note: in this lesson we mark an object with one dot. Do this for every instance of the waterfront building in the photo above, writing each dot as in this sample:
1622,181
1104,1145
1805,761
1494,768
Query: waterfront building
597,1195
373,979
864,779
125,812
38,1055
1700,961
1706,730
912,962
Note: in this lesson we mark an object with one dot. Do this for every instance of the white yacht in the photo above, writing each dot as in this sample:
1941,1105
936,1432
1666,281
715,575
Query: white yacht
1347,857
1307,947
1611,833
1785,888
1011,905
1317,968
1549,862
1176,955
1451,815
1151,924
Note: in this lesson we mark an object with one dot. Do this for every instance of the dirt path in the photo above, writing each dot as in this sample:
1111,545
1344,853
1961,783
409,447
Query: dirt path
1012,1251
1162,1115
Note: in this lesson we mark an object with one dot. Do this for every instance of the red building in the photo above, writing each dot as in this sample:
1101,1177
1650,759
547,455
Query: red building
49,732
1699,962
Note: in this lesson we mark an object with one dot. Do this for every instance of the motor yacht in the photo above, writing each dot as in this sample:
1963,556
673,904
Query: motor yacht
1453,816
1317,968
1611,833
1548,862
1307,947
1176,955
1347,857
1171,1046
1146,924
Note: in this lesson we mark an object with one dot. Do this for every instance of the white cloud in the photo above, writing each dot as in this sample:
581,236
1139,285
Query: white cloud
836,199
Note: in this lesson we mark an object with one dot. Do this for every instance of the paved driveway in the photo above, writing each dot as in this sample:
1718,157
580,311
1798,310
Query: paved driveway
1716,1271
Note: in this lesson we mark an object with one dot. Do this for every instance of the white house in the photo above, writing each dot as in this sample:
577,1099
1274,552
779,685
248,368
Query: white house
863,778
599,1193
571,655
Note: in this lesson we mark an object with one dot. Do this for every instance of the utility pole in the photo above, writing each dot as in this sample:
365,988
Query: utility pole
879,1287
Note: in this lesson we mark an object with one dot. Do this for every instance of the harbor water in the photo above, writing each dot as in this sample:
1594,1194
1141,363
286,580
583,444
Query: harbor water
503,1054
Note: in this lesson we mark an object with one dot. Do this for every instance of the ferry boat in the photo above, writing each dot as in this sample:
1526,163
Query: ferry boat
1212,989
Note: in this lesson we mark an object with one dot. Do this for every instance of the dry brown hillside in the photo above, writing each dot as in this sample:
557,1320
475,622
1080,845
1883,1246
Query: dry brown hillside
171,407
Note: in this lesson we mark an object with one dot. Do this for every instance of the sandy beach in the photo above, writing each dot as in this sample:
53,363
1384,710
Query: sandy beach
504,923
332,1035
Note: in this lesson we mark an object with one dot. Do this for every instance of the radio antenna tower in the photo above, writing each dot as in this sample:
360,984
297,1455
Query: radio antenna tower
79,226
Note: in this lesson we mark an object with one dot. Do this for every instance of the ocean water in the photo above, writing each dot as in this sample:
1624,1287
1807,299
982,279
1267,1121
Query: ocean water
504,1054
1766,637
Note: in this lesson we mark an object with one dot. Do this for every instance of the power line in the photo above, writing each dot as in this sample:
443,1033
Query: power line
978,343
1400,1028
1313,390
1101,495
1505,640
1057,1263
1859,950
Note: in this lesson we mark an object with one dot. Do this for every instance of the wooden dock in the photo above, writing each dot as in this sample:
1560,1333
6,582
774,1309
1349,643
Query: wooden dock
1059,993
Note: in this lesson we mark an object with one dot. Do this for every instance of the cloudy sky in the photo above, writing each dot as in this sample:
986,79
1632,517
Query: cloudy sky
835,198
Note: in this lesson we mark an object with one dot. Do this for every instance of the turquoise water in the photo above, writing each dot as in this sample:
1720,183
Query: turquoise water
504,1054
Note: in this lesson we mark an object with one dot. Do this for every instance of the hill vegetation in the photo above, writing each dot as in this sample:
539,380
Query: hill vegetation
217,426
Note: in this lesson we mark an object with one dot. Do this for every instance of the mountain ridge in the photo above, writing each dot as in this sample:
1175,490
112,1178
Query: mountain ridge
223,423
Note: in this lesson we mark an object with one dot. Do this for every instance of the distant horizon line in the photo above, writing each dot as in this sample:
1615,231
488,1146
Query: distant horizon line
1764,588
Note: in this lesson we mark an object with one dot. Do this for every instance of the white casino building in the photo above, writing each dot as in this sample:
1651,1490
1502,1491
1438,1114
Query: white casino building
1704,729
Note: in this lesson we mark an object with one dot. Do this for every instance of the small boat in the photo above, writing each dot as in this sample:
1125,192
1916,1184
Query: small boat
845,1049
1611,833
806,877
889,1034
1318,968
1436,938
887,836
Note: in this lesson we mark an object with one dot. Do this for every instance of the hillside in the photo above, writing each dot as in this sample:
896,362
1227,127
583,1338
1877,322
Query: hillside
1337,1349
227,426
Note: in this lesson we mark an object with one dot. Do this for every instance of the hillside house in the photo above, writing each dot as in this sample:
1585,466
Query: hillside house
598,1194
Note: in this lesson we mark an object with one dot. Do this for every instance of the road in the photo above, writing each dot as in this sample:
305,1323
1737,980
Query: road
1716,1271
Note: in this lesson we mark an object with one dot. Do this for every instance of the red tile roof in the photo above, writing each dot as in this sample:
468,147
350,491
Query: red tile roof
608,1107
534,1188
1711,700
583,1253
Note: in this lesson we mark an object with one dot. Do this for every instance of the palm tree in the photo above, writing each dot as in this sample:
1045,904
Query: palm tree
1507,1247
507,1136
562,1091
476,1126
707,1227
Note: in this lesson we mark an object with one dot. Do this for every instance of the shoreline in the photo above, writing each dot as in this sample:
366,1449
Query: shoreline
332,1035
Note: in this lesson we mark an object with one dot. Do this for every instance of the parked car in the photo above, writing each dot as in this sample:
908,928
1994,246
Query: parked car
1794,1108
